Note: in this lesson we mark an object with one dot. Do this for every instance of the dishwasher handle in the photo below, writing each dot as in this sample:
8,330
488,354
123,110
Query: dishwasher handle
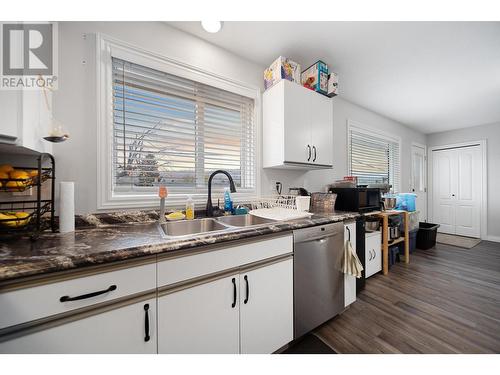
321,238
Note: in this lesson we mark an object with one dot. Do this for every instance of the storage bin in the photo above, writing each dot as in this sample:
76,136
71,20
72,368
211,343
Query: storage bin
413,220
316,77
406,201
281,68
394,252
426,235
413,239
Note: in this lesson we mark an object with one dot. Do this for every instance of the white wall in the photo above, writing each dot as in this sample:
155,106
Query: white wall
75,104
491,133
75,100
342,111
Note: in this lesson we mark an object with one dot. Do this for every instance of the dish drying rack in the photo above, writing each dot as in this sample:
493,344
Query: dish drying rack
282,207
283,201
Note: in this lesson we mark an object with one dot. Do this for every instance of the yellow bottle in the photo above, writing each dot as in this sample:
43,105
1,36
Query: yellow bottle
190,208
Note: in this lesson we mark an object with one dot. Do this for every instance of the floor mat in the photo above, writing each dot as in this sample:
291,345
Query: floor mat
309,344
459,241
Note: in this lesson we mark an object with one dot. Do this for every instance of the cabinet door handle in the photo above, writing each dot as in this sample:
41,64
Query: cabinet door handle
348,234
308,152
234,293
314,149
374,254
89,295
247,290
146,322
370,252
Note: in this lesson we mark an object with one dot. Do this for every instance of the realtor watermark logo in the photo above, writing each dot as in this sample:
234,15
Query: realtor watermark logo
29,56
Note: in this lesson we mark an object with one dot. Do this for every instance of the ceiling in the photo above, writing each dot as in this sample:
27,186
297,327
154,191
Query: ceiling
431,76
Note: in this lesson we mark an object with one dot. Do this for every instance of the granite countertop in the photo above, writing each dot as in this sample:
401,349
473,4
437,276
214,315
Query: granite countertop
105,243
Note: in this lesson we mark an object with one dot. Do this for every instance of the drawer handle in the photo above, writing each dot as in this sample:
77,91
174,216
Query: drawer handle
234,293
248,290
89,295
146,322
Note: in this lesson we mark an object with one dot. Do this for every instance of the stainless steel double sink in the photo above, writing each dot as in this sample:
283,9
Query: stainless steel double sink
174,229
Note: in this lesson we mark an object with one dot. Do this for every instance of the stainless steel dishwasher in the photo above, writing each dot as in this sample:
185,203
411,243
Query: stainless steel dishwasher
318,277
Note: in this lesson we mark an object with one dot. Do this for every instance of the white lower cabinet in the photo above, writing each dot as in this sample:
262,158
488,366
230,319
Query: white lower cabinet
250,312
200,319
127,329
349,280
266,308
373,254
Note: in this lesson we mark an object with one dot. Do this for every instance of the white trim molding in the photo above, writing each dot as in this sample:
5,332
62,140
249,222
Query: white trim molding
484,182
108,47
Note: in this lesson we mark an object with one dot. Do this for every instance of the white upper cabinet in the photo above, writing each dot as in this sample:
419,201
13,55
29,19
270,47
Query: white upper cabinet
297,128
26,118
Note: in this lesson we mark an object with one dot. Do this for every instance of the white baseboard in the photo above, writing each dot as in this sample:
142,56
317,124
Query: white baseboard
493,238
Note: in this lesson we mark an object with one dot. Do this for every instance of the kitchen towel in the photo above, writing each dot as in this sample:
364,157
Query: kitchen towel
66,207
351,264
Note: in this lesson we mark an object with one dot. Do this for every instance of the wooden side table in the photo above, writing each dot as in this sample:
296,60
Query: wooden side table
384,215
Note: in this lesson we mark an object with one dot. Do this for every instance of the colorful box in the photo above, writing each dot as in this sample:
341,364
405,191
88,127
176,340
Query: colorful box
316,77
281,68
333,84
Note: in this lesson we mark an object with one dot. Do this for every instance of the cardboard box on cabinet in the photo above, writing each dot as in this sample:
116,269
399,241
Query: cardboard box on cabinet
281,68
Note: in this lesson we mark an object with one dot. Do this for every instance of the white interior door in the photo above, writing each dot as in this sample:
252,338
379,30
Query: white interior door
456,179
468,192
419,178
443,187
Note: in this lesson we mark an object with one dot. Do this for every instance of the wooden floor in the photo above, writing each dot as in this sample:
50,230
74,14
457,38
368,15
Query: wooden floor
447,300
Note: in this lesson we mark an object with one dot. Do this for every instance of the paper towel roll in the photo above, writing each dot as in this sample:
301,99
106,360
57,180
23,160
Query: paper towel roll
66,207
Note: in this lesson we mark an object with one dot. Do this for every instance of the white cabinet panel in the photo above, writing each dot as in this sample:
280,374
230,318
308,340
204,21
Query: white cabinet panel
266,311
179,269
298,148
122,330
23,305
297,128
200,319
321,133
349,280
373,254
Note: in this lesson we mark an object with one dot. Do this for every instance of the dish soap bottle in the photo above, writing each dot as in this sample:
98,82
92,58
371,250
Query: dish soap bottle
228,203
189,208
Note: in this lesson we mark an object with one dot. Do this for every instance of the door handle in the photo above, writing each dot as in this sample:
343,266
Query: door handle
146,322
234,293
248,289
89,295
308,152
314,149
370,252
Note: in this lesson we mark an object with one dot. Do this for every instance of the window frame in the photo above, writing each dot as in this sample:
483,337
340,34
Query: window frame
106,48
369,130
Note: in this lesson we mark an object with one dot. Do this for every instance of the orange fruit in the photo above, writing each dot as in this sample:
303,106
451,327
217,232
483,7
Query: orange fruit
19,175
4,175
6,168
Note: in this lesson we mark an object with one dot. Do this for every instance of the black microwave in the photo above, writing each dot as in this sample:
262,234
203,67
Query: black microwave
359,199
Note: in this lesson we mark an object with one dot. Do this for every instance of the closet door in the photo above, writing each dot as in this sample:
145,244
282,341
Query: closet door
444,179
457,183
468,192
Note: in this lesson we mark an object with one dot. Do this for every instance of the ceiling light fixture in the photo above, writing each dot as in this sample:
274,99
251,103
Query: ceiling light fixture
212,26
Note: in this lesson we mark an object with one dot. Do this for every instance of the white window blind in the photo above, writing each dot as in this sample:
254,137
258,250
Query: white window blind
178,131
374,158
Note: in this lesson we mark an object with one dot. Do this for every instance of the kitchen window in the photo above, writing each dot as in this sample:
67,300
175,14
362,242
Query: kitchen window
373,157
167,122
